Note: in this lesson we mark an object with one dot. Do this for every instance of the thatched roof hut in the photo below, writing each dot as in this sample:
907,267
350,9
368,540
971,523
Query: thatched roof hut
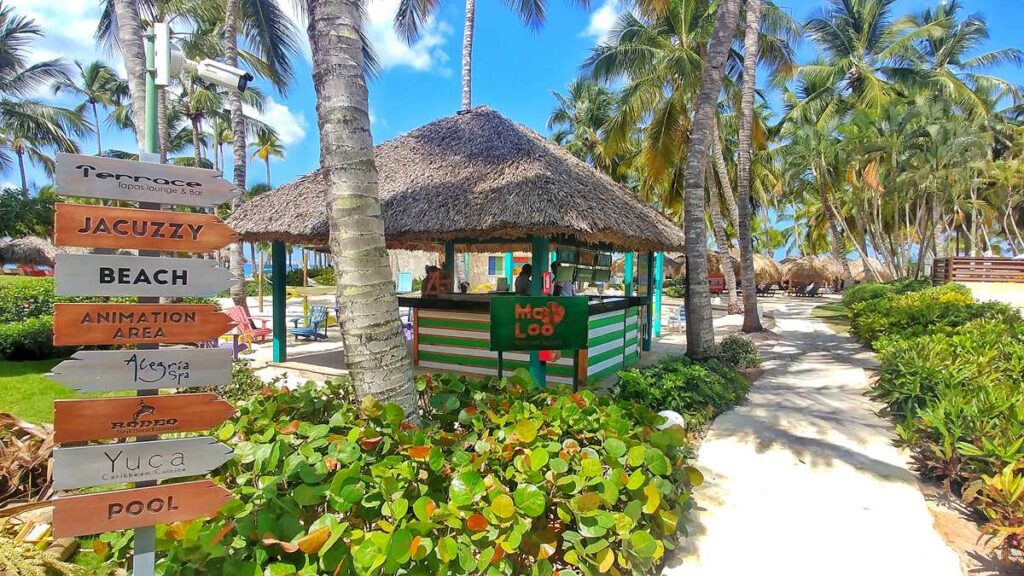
857,270
766,269
475,175
833,266
29,251
806,270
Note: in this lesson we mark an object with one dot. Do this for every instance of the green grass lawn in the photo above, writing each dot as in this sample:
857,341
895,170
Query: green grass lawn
27,394
835,315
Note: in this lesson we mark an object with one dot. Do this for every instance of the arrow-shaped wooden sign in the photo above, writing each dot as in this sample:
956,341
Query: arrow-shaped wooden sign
105,464
104,227
112,179
100,370
85,324
126,509
101,275
108,418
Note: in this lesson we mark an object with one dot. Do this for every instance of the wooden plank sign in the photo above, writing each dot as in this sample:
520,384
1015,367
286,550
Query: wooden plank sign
85,324
101,370
112,179
103,227
101,275
105,464
127,509
107,418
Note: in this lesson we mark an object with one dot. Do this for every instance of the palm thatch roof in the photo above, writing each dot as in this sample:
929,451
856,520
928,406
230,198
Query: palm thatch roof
32,251
475,175
857,270
834,267
806,270
766,269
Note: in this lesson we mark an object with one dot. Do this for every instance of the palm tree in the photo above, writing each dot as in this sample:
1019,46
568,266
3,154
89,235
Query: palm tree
29,128
375,351
751,315
267,145
414,14
128,30
700,335
99,86
579,119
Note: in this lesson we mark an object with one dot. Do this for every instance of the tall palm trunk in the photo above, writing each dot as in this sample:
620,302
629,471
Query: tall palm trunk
835,228
267,161
96,122
722,241
133,50
700,334
718,149
467,55
161,123
938,221
375,351
21,168
235,258
197,144
751,315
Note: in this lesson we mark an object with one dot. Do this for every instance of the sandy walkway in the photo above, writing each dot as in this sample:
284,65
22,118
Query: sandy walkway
803,479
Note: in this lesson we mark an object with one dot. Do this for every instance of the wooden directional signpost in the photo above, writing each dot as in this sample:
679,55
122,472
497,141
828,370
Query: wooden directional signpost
147,368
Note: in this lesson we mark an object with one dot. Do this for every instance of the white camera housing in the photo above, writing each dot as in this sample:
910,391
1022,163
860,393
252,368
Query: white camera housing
169,61
227,76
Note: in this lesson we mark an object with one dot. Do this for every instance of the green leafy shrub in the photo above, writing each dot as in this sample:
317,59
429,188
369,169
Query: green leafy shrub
324,276
500,479
30,339
863,292
739,352
699,391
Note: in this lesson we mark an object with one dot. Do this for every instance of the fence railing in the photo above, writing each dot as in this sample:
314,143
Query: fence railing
963,269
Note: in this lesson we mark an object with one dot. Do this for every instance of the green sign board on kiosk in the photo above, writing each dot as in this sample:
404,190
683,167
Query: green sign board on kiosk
538,323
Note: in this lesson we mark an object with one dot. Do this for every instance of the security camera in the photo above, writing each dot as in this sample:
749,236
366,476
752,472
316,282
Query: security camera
170,61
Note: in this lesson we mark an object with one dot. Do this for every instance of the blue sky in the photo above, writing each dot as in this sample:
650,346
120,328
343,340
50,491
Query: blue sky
515,69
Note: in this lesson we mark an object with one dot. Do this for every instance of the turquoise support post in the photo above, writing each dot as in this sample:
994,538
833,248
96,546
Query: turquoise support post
648,330
465,266
659,280
449,261
539,264
627,275
509,276
278,263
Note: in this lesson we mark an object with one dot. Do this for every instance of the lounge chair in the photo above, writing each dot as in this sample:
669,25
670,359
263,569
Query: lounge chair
801,290
813,291
314,324
244,324
678,319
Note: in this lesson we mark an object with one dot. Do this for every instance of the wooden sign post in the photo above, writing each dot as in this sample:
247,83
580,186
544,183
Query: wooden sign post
97,275
106,464
127,509
118,418
98,371
112,179
103,227
87,324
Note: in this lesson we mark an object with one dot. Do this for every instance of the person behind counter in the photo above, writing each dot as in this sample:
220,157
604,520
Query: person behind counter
524,280
564,288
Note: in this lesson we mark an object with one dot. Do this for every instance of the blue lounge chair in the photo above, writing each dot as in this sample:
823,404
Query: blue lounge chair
315,324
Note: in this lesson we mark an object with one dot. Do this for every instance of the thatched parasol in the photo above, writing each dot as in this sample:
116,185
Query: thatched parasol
857,270
833,266
475,175
766,269
29,251
806,270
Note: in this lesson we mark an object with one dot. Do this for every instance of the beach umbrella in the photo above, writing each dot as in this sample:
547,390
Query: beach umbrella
857,270
806,270
833,266
29,251
766,269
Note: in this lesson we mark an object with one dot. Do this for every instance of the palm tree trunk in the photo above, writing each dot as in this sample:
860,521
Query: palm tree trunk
238,142
96,120
375,351
938,249
133,50
838,240
467,55
717,148
163,129
700,334
197,146
751,315
722,241
267,160
21,169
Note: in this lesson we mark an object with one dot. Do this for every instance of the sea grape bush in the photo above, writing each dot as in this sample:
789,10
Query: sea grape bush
497,479
739,352
699,391
952,376
872,291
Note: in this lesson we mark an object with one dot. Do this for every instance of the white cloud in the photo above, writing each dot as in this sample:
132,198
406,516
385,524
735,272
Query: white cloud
427,53
602,21
290,126
69,27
